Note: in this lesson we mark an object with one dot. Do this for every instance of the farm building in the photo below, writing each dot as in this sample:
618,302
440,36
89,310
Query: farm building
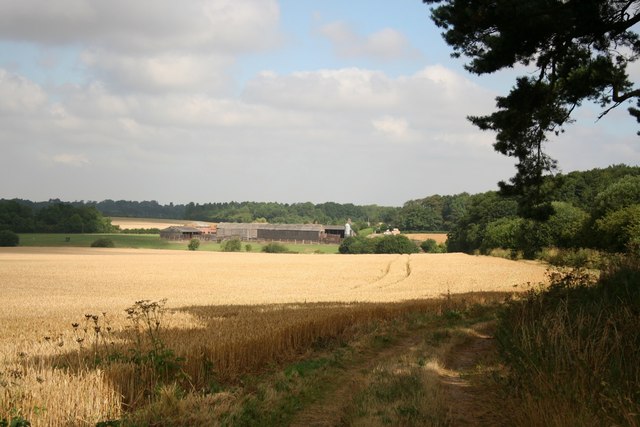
281,232
311,232
335,230
205,227
242,231
182,233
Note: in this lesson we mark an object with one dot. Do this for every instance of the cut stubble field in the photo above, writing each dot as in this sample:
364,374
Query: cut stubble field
45,290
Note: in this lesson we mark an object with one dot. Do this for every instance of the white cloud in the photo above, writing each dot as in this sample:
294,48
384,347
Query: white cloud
71,159
19,95
434,100
343,89
167,72
144,25
151,104
148,45
384,45
394,127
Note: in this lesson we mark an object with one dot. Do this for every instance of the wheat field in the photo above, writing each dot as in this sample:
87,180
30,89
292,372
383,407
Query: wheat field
421,237
128,223
46,290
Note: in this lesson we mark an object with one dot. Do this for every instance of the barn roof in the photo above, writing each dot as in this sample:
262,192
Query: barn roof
238,226
263,226
181,229
334,227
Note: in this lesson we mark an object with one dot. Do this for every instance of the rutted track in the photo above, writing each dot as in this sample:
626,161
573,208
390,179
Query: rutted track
397,270
400,270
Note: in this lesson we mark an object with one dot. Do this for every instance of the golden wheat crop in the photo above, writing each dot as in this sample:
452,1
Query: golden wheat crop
421,237
129,223
226,309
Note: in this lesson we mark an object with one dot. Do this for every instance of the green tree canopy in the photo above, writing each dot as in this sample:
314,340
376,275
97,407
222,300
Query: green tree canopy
621,194
580,49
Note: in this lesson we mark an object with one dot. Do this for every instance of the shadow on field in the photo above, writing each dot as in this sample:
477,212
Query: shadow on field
226,343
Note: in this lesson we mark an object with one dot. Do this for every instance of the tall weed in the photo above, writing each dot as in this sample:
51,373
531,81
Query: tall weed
573,349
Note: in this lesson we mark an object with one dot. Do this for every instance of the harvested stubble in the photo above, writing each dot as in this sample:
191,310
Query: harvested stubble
45,290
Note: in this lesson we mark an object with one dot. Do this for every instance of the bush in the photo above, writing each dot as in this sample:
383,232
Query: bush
358,245
248,248
194,244
395,245
430,246
378,245
233,245
275,248
9,238
567,225
618,230
103,243
576,258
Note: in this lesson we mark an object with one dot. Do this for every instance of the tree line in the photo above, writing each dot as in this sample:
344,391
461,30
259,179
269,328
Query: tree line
54,217
599,209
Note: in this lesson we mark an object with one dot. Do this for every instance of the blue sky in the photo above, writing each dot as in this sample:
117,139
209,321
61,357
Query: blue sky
264,100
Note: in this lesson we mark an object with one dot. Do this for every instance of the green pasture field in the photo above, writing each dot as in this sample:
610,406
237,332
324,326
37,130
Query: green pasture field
152,241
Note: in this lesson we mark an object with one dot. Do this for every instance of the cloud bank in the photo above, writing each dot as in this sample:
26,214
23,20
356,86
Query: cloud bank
160,113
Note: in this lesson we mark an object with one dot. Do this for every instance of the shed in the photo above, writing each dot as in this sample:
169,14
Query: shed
181,233
334,230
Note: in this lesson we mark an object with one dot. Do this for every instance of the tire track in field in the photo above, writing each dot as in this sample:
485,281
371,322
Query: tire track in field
402,270
397,270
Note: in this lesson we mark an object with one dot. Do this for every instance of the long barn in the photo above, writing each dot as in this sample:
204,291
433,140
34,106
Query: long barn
311,233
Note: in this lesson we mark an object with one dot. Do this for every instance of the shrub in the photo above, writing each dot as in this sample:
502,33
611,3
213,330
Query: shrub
576,258
103,242
567,225
618,230
358,245
9,238
233,245
430,246
378,245
194,244
248,247
511,253
275,248
395,245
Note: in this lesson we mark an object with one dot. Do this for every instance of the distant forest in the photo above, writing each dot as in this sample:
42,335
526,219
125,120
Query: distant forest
594,208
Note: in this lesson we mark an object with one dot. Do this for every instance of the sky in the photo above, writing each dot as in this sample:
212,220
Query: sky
255,100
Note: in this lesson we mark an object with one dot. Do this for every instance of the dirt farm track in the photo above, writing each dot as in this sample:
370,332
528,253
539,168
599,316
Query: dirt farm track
47,282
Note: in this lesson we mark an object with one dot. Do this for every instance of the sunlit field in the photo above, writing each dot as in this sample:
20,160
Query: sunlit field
421,237
46,290
55,280
129,223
